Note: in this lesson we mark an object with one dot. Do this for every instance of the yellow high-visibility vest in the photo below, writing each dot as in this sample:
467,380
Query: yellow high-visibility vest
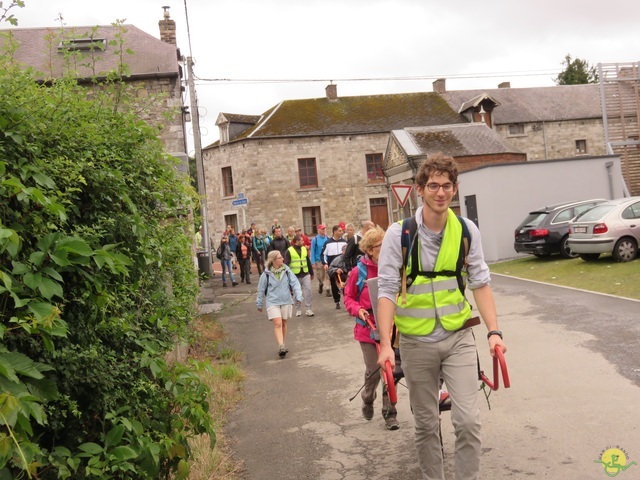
439,297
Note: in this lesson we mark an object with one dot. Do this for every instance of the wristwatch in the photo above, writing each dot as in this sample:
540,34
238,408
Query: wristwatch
494,332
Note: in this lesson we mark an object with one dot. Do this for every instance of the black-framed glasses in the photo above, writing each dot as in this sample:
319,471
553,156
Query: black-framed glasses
434,187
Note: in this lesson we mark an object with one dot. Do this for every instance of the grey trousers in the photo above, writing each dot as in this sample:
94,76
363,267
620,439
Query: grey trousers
368,395
422,363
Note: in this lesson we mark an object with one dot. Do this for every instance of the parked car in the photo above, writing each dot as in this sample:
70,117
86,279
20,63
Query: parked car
546,230
611,227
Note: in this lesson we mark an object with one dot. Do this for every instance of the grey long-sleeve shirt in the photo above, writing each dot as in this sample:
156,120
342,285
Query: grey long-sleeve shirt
390,262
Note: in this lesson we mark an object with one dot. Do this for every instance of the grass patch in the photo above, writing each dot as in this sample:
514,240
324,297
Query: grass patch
224,379
604,275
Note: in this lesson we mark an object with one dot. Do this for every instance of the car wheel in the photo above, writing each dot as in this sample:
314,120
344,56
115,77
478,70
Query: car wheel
589,257
625,250
565,251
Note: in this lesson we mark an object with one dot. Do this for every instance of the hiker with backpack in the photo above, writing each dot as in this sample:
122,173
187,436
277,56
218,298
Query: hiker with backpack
275,288
424,263
359,304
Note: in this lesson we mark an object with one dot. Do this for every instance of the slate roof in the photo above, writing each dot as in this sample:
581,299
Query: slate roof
457,140
524,105
353,115
38,48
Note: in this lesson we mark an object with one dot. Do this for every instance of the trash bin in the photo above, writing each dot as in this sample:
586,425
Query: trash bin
204,263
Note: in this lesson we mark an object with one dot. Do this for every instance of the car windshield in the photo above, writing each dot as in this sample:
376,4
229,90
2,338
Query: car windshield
596,213
534,219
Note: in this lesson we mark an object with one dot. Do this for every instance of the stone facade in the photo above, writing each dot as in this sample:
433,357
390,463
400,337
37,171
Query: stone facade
266,171
165,111
549,140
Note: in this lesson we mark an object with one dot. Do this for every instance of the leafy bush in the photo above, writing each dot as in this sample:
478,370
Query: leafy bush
97,283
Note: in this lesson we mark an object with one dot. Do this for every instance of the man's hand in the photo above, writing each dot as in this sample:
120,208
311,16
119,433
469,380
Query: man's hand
496,341
386,355
326,267
259,309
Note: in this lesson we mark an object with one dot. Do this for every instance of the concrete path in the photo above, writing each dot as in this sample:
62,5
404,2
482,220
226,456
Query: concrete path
574,363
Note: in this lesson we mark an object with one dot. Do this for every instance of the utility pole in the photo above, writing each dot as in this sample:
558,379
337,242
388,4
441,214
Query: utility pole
197,144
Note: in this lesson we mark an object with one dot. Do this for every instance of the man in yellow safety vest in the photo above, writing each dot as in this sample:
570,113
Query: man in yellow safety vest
432,316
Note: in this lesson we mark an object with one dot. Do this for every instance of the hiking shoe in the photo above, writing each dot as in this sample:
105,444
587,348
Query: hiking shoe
337,305
233,284
298,313
391,423
224,284
328,293
320,289
309,313
367,411
282,350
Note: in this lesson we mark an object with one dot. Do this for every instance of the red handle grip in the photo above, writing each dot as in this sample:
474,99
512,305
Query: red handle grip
387,375
498,361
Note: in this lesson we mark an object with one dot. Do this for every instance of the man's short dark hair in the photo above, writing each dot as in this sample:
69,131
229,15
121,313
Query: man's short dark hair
437,163
335,228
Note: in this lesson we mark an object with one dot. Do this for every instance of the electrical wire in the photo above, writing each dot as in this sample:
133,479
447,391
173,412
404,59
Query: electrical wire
531,73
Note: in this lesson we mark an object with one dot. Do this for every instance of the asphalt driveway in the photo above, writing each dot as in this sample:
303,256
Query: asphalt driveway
574,363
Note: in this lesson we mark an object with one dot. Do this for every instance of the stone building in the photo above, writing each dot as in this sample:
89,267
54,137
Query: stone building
313,161
545,122
90,53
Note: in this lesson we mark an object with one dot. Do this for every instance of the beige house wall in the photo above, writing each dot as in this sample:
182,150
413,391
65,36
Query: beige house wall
266,171
549,140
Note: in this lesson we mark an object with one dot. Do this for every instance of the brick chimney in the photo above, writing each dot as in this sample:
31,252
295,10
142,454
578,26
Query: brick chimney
504,85
167,28
332,92
440,85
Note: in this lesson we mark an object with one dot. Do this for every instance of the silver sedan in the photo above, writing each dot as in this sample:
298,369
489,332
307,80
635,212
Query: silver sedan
611,227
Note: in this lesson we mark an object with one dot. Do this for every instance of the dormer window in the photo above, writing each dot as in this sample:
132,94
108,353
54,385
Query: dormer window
82,44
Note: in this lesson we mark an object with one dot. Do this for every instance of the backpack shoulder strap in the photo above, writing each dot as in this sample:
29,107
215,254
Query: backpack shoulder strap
362,277
267,287
466,239
409,247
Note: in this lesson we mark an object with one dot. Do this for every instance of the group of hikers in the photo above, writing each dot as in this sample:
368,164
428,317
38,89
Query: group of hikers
421,267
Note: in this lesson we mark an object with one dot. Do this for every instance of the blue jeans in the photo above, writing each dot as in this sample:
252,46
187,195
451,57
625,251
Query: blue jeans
226,267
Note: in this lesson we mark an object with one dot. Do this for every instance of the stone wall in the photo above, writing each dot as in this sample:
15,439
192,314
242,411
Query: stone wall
266,171
559,138
165,111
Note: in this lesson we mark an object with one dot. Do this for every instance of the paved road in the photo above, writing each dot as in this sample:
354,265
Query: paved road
574,362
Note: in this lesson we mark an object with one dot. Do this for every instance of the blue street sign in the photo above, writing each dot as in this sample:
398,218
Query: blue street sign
239,201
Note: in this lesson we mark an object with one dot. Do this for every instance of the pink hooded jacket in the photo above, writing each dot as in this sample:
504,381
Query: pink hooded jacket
353,303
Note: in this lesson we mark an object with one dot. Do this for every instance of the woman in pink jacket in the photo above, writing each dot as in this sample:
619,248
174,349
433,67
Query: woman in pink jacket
358,304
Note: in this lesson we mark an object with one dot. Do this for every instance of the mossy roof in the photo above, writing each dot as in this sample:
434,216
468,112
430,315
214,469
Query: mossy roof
353,115
457,140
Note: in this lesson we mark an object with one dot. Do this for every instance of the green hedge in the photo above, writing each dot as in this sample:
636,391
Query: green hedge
97,283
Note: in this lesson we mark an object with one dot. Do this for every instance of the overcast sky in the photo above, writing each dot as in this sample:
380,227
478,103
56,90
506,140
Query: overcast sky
482,43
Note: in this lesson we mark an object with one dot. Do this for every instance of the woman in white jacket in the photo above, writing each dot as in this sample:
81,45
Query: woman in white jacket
277,283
